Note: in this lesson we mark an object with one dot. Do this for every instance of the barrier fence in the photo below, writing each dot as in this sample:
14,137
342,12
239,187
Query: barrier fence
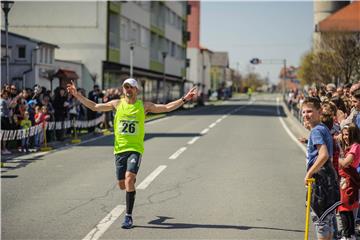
9,135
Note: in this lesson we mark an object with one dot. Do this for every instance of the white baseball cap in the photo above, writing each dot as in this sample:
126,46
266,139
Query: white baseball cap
132,82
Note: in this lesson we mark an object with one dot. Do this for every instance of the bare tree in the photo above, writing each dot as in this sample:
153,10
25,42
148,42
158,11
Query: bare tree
343,53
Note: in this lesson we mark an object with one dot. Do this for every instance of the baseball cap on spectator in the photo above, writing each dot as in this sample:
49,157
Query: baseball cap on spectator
132,82
330,87
32,102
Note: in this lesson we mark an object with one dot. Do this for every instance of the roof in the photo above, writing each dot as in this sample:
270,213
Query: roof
30,39
205,49
346,19
220,59
68,74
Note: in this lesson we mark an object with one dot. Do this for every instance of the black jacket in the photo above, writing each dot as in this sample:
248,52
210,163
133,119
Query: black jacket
325,196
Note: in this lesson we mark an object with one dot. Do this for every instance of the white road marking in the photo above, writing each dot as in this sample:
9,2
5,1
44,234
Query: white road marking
204,131
288,130
146,182
105,223
193,140
177,153
219,120
212,125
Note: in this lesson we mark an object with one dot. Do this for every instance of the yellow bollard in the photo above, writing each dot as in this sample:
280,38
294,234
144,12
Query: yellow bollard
75,139
309,182
45,147
106,132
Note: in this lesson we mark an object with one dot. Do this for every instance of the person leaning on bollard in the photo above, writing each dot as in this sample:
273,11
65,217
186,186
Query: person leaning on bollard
326,196
129,133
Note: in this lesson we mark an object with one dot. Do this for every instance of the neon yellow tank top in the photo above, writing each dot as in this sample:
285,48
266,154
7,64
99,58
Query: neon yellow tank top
129,127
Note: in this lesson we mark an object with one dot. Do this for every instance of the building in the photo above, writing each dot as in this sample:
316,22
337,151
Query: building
33,62
30,61
337,32
199,57
347,19
113,39
322,10
220,72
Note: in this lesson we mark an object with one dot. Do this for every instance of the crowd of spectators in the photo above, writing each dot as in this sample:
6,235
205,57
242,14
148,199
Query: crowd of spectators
24,108
340,113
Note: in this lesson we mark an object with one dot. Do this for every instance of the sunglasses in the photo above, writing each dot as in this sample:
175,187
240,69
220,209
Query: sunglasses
128,86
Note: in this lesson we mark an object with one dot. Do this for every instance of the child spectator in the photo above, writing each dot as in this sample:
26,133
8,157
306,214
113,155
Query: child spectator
349,179
25,124
326,196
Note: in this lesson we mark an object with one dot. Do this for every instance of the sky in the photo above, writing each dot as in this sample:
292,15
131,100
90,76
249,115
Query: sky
265,30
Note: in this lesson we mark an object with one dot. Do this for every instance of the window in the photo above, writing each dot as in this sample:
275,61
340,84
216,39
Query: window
21,52
51,56
124,28
114,41
154,47
43,55
135,33
173,49
145,37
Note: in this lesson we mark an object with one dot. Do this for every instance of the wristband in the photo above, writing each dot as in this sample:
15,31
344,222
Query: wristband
183,99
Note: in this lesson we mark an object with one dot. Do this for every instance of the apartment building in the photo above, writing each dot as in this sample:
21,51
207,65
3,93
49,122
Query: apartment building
114,39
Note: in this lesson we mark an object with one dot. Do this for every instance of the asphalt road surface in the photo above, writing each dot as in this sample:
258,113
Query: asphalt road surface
225,171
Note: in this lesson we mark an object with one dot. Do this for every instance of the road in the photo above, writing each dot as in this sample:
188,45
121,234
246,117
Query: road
227,171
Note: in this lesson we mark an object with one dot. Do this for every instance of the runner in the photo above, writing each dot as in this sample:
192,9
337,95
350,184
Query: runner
129,133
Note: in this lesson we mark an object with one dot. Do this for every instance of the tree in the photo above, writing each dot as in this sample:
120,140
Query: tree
343,51
253,80
337,59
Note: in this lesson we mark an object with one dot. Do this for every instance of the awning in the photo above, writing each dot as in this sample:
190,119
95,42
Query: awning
139,72
67,74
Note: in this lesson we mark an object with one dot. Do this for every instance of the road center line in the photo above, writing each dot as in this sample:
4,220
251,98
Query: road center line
288,130
146,182
105,223
204,131
212,125
193,140
177,153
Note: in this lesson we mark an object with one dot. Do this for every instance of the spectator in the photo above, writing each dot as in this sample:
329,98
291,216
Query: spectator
349,179
60,110
25,124
326,196
5,122
41,117
95,96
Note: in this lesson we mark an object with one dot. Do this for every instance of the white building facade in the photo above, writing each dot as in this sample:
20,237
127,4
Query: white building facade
100,34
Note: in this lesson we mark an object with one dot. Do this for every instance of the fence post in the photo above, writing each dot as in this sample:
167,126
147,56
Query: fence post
45,147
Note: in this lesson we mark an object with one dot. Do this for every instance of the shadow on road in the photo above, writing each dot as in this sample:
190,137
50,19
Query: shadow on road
258,110
160,224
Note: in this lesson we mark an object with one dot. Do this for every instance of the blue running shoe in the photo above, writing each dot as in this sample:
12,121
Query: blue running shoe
128,222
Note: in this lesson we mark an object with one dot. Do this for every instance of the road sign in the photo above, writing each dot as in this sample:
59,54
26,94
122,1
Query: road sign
255,61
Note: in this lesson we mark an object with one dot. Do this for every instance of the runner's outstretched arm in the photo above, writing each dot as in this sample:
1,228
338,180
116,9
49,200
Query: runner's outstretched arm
171,106
96,107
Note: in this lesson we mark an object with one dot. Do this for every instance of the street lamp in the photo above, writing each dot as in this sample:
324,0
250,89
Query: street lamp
131,59
6,6
164,54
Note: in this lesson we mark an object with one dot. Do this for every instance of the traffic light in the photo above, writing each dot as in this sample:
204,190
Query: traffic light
255,61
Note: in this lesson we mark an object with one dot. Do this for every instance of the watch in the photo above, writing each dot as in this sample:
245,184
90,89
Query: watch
183,99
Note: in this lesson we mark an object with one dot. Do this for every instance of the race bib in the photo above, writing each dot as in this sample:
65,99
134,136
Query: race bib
128,127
